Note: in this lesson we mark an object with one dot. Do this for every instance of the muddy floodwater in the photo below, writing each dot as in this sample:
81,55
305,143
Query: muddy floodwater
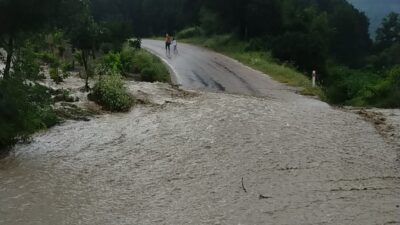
205,158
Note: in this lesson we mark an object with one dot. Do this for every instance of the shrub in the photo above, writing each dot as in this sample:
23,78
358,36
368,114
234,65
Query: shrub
136,44
24,109
127,56
49,59
258,44
154,74
141,60
26,65
111,93
150,67
350,87
190,32
388,90
106,47
110,64
55,75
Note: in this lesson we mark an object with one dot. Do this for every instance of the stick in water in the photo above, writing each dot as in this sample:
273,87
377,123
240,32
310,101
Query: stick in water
243,186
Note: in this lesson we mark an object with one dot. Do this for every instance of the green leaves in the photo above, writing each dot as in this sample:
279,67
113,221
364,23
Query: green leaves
111,93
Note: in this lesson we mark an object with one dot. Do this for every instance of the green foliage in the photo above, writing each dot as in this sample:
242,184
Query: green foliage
26,64
350,87
114,32
208,20
136,44
150,67
190,32
110,64
127,56
389,32
111,93
388,90
56,43
49,59
24,109
55,75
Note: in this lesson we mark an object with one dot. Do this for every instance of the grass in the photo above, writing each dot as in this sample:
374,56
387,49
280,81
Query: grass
142,62
258,60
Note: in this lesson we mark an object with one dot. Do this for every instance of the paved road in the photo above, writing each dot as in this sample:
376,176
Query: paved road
200,69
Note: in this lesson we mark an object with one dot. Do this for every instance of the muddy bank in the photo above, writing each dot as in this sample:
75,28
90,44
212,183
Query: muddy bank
181,158
386,122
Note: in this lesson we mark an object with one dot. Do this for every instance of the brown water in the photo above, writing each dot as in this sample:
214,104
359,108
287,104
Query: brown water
181,159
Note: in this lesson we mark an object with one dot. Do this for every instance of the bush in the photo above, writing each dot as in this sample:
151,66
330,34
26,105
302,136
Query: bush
127,56
350,87
150,67
26,65
49,59
24,109
388,90
110,64
154,74
136,44
258,44
141,60
106,47
55,75
190,32
111,93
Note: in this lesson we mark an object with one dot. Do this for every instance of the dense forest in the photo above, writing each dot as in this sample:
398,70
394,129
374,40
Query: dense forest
329,36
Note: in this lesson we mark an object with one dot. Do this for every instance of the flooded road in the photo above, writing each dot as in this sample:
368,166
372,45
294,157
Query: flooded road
205,158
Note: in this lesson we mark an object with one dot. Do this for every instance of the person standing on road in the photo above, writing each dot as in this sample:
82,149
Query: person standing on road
175,46
168,44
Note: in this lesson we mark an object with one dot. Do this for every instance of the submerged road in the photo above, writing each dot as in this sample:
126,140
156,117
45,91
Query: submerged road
206,158
201,69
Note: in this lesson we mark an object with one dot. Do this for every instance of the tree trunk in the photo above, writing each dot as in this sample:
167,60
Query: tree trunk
73,58
10,52
85,60
93,54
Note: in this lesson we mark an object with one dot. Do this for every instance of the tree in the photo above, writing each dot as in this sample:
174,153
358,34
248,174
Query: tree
350,40
18,18
84,34
389,32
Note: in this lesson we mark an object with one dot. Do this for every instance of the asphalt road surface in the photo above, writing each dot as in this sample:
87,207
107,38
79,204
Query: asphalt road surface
201,69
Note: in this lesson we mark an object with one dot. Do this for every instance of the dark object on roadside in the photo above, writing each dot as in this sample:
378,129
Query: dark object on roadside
264,197
136,44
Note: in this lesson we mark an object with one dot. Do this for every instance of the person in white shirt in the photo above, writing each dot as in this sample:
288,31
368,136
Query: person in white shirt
174,46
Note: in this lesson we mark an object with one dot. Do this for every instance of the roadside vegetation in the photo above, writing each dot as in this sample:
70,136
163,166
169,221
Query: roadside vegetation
58,39
110,91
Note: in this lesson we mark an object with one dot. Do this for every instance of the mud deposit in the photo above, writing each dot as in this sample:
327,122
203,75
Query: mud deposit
180,159
386,121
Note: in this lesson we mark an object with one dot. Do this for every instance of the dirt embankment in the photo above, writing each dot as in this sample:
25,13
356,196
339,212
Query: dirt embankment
386,122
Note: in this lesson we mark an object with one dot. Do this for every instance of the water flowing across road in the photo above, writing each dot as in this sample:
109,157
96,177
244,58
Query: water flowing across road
206,158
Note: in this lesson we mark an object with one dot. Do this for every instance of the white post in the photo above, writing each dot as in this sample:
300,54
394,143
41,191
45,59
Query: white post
314,78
